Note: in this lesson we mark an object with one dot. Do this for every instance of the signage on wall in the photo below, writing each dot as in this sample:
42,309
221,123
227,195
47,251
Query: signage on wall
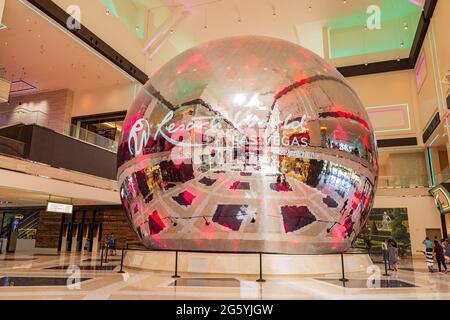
442,197
59,207
421,71
431,127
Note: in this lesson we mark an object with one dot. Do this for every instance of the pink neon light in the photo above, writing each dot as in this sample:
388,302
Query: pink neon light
419,3
419,71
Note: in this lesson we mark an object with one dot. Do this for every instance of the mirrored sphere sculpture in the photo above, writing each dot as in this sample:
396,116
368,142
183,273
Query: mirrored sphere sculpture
247,144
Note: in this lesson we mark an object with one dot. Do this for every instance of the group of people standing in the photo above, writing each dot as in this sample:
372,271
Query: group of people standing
390,252
439,250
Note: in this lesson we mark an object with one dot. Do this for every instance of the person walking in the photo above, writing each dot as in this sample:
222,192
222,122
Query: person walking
368,241
393,256
428,253
439,255
445,245
384,249
111,243
437,239
87,245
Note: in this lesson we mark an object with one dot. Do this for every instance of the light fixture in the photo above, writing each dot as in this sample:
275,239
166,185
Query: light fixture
402,43
107,12
405,26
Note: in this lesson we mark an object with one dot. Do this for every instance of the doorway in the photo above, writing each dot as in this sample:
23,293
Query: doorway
431,233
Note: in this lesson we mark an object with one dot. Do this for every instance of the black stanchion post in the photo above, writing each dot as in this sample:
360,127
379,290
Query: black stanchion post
260,269
386,274
343,279
106,254
101,259
121,262
175,276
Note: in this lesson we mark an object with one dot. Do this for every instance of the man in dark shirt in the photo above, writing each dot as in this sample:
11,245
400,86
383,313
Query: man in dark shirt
439,255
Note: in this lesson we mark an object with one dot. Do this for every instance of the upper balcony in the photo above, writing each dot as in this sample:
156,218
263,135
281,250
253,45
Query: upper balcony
43,145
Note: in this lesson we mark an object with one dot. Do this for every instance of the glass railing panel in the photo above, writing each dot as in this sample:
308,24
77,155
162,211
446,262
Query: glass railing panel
419,181
23,116
93,138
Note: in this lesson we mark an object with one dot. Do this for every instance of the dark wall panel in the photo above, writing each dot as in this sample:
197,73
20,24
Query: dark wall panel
386,143
61,151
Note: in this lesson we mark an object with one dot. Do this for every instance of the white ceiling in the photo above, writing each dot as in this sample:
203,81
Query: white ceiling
300,21
37,51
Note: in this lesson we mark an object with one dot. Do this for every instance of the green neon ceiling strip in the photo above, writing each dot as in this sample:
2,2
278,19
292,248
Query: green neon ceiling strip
393,14
130,15
111,6
391,10
430,163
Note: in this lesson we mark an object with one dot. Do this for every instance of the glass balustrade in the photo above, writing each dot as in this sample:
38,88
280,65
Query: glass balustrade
23,116
93,138
419,181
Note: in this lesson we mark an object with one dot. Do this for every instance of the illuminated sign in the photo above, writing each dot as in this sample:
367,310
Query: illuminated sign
59,207
140,133
442,197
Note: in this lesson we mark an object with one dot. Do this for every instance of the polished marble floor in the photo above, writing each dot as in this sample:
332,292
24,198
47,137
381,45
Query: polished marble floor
35,276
